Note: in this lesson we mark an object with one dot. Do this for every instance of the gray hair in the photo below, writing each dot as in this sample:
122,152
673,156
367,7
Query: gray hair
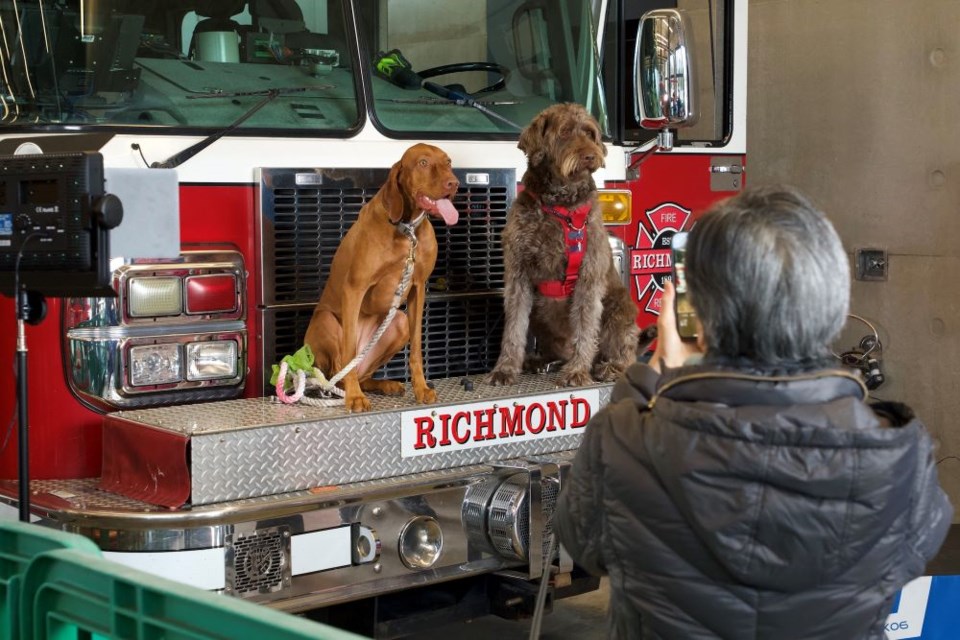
768,277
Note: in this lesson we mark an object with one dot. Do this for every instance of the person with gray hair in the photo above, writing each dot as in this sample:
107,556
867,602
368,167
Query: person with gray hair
742,486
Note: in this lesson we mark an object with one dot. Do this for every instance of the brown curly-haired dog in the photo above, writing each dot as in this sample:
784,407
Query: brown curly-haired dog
583,316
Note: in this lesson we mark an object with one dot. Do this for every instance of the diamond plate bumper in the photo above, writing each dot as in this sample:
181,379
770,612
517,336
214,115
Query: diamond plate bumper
207,453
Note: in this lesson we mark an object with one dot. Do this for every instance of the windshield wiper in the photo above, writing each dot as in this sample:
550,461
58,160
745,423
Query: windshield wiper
268,96
463,100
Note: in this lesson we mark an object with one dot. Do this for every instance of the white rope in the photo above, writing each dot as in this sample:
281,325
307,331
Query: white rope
318,380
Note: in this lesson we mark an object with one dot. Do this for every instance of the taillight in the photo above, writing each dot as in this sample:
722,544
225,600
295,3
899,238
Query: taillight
211,294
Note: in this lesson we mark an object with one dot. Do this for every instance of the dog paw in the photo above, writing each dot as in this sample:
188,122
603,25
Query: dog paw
501,378
425,395
357,404
575,378
607,372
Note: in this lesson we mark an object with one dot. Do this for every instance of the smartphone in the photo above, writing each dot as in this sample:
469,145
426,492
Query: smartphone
686,316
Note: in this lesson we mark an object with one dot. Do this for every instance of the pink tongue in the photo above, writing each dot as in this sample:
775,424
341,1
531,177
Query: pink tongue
447,210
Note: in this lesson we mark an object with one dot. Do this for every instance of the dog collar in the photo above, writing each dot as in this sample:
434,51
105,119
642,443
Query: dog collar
409,228
574,223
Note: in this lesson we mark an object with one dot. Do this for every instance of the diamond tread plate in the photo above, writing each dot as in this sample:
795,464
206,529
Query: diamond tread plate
235,415
255,447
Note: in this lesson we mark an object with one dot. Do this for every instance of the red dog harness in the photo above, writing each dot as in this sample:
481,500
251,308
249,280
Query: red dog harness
574,223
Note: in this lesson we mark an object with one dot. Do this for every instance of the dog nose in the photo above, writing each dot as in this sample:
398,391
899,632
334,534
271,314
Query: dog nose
453,184
589,158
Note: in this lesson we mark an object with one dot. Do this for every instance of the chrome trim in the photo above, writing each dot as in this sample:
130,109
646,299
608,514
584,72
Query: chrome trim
121,333
190,263
97,333
377,510
238,336
97,370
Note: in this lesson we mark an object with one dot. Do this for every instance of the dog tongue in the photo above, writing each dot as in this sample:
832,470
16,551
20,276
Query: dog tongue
447,210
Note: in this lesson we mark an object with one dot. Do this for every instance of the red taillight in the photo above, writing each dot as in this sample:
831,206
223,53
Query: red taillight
211,294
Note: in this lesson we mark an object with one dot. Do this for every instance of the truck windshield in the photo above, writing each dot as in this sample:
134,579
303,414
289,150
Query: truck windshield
512,57
209,64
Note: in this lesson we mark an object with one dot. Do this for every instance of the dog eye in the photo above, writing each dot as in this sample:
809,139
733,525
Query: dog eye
423,162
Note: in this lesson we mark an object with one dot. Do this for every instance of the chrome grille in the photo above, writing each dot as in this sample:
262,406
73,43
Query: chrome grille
302,224
461,337
305,213
549,491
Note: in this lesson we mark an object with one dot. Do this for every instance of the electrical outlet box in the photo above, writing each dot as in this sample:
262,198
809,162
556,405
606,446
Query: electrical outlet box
871,264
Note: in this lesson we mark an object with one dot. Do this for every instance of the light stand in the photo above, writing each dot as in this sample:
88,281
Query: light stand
30,308
59,201
23,471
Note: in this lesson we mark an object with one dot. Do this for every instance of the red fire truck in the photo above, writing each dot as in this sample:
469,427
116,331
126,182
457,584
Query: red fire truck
241,138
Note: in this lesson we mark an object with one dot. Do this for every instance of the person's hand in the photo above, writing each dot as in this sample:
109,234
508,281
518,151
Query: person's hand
671,351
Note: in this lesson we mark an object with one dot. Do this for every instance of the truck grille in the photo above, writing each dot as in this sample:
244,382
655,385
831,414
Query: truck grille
302,225
305,213
461,336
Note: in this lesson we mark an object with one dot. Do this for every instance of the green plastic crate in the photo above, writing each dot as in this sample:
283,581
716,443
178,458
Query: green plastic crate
20,542
68,595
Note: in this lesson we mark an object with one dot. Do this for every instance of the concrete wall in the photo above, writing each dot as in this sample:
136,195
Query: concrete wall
857,102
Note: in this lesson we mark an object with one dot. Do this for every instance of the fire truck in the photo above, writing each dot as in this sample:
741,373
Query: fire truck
176,178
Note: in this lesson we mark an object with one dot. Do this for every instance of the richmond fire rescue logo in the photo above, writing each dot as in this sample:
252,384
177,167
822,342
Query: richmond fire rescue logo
650,260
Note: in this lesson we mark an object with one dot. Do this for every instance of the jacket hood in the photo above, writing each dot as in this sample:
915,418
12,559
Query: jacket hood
787,478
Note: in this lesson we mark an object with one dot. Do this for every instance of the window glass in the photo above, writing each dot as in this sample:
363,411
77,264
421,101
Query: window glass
512,58
148,63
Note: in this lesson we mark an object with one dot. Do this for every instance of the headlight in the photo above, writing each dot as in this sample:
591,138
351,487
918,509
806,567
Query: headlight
154,364
211,360
421,543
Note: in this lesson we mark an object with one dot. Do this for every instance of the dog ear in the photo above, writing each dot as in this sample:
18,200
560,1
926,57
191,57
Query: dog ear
531,140
391,194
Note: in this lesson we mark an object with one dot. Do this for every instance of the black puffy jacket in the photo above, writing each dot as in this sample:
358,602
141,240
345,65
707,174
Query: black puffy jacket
731,504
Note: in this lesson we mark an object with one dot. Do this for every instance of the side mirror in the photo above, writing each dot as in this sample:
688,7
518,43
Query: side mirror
664,74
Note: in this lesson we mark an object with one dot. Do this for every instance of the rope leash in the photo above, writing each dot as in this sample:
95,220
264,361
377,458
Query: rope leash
335,395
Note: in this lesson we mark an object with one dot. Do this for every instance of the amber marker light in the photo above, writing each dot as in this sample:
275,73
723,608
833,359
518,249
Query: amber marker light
615,205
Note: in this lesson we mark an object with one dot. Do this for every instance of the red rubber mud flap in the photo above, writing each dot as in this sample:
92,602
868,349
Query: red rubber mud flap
145,464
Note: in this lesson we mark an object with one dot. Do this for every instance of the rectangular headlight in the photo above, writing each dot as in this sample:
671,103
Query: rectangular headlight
211,360
154,296
154,364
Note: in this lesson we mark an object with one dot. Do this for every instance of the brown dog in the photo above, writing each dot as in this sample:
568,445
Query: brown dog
559,270
367,269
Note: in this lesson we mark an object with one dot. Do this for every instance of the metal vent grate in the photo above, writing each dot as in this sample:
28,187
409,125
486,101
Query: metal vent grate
549,490
461,337
303,217
302,227
258,562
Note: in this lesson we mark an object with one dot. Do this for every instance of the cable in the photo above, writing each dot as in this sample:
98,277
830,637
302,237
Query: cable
542,591
136,147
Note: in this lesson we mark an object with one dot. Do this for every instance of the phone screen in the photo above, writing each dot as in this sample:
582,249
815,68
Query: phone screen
686,317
